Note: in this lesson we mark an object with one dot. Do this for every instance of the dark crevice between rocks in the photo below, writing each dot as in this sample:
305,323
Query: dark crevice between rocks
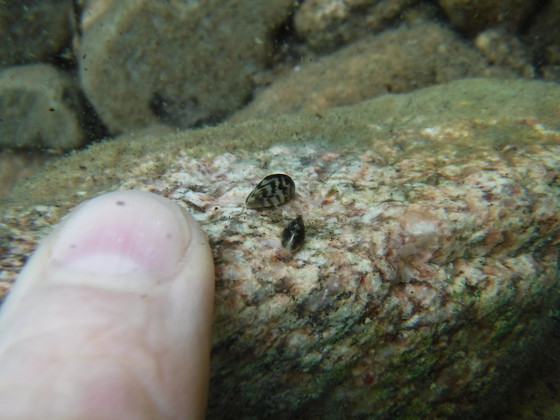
92,125
287,45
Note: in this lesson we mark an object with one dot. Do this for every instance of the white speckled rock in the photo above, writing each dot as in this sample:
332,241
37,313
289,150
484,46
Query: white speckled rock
430,262
179,62
39,108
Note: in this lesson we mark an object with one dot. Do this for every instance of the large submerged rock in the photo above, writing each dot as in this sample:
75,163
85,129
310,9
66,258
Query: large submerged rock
429,266
179,62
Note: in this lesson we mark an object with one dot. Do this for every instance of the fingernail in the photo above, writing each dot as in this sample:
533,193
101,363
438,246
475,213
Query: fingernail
123,232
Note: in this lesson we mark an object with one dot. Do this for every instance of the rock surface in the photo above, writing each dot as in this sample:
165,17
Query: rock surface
39,108
503,48
327,24
33,30
395,61
182,63
431,257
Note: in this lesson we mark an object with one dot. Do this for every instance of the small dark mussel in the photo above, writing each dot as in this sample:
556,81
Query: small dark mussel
294,235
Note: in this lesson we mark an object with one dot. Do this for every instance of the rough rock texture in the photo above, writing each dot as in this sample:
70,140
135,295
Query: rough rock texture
33,30
475,15
431,258
326,24
39,108
181,63
395,61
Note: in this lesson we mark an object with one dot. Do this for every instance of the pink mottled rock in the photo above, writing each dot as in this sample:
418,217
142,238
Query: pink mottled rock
430,262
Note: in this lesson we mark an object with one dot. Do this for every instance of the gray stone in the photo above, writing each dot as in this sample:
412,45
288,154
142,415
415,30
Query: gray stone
33,30
181,63
430,265
39,108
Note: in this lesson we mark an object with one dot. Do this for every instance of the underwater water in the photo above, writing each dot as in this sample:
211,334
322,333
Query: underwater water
409,272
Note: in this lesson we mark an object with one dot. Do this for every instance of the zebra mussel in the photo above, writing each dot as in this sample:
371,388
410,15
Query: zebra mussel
294,235
275,190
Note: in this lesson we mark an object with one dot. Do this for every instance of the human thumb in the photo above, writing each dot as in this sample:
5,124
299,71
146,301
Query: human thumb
111,317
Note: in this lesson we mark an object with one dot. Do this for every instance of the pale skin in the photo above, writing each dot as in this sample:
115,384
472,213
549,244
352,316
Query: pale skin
111,317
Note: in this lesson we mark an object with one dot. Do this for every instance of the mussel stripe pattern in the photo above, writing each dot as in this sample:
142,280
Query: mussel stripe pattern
274,190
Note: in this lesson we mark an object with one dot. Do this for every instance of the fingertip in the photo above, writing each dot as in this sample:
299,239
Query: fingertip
135,269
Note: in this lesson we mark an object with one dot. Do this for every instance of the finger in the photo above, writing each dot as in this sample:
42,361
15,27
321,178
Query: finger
111,316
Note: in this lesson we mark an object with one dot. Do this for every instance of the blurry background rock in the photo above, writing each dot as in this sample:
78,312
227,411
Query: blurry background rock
326,24
503,48
39,108
189,64
394,61
33,30
544,38
472,16
183,63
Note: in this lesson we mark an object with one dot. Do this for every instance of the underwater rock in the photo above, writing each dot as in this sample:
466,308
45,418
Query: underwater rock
39,108
394,61
182,63
33,31
472,16
430,260
326,24
503,48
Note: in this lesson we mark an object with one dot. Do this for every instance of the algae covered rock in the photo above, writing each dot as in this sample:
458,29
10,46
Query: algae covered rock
326,24
179,62
430,261
394,61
